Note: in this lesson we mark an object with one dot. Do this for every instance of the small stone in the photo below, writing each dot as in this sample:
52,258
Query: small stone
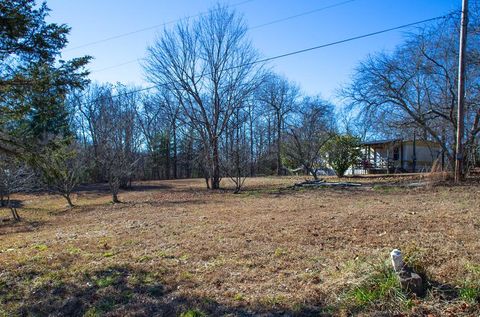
411,282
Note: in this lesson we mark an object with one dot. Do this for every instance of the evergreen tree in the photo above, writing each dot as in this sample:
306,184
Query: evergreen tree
34,81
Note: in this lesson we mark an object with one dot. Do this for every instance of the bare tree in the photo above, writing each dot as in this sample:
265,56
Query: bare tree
414,88
211,67
15,177
89,112
279,96
236,161
61,168
310,132
117,136
152,125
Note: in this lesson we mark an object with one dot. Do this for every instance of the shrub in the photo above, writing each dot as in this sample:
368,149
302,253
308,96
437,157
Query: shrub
341,152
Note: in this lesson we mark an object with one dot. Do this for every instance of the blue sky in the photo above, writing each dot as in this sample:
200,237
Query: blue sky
317,72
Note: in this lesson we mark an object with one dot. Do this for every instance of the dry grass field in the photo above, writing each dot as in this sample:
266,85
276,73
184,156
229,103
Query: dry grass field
172,248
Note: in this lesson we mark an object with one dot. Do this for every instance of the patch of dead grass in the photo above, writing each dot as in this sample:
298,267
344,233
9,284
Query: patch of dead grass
181,247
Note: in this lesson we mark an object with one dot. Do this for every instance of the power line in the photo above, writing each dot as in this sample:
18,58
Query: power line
117,65
114,37
250,28
300,14
354,38
350,39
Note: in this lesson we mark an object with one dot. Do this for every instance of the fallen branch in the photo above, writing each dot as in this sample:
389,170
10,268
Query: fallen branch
322,183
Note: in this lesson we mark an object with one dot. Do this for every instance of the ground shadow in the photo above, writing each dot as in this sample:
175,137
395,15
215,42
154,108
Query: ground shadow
168,203
15,203
442,291
9,226
103,188
124,291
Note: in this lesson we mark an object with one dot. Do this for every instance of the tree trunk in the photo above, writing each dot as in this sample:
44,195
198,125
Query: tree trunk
269,136
207,181
252,161
216,166
69,200
15,215
167,156
279,145
175,175
115,198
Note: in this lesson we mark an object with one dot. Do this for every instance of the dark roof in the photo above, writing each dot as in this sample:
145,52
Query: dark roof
378,142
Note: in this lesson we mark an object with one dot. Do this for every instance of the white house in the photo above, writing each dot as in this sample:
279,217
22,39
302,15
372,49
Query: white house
397,155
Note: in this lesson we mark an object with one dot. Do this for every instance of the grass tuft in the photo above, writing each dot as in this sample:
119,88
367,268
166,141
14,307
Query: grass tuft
380,288
470,292
40,247
280,252
239,297
193,313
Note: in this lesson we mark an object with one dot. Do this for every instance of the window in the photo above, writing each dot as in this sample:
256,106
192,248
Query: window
396,153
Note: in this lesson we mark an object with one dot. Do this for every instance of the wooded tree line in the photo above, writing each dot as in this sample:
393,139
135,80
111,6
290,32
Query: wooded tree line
145,136
215,110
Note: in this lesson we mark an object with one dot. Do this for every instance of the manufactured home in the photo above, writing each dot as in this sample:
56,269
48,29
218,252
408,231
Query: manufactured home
397,156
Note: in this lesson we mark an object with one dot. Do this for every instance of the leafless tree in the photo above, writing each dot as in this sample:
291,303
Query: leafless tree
15,177
414,88
152,125
279,96
210,65
89,111
311,130
61,167
236,159
115,135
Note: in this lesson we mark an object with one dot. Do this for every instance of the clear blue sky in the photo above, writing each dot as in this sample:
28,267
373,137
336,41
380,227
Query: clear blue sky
317,72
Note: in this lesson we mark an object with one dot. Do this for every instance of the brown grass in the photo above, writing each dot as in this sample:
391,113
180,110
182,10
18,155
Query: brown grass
173,247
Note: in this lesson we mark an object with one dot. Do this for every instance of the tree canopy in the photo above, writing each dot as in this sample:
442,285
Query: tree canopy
34,80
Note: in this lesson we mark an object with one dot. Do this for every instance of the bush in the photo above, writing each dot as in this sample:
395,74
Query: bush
341,152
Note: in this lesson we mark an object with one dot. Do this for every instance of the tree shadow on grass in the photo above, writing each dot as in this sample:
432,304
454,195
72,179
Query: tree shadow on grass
8,225
22,226
103,188
124,291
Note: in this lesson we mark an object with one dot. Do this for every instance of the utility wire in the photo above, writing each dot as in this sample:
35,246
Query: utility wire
117,65
250,28
301,14
114,37
302,51
353,38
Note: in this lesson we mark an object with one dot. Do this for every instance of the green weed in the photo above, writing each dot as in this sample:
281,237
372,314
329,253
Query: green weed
280,252
40,247
239,297
193,313
470,292
381,287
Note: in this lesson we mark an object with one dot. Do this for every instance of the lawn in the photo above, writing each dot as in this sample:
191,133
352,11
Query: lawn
172,248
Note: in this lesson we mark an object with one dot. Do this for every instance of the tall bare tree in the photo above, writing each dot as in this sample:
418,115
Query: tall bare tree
414,88
210,65
309,133
280,97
